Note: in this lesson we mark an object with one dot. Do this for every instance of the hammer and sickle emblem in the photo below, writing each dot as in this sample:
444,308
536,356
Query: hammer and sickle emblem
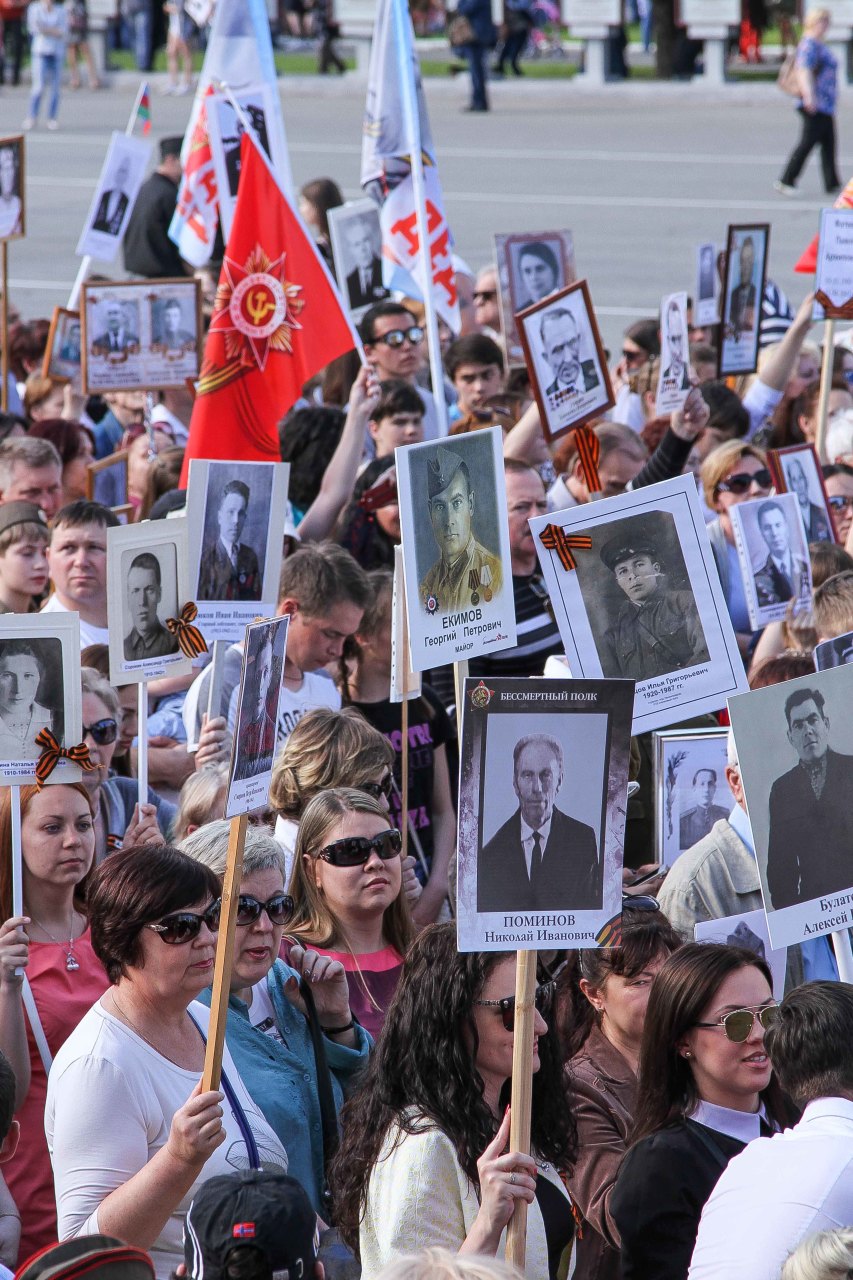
259,304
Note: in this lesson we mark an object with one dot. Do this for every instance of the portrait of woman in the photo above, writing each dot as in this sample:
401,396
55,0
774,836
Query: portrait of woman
22,716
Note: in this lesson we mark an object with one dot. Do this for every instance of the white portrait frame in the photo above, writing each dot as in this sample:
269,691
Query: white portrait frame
339,219
753,552
164,539
46,631
136,153
251,789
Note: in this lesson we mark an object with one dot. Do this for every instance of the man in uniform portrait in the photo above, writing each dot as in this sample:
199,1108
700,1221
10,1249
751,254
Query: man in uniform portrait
656,629
540,857
148,638
561,342
171,335
742,304
815,522
465,571
229,568
696,822
809,852
782,576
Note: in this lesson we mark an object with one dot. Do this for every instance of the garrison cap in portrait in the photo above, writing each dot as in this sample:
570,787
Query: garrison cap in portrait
441,468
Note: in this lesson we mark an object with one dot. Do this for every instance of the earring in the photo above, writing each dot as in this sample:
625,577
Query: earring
687,1053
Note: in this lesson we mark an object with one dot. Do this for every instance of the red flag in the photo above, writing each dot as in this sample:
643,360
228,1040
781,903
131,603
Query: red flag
277,320
807,264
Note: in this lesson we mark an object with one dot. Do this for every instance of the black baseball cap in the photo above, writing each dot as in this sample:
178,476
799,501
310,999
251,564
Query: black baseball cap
259,1209
89,1257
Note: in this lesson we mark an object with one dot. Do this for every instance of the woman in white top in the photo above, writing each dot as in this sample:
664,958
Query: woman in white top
47,24
130,1134
422,1157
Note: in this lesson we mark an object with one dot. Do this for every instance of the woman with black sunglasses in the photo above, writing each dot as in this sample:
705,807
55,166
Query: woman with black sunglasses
423,1159
130,1134
268,1030
705,1088
348,901
48,948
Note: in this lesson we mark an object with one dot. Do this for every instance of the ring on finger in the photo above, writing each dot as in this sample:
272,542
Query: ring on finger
513,1178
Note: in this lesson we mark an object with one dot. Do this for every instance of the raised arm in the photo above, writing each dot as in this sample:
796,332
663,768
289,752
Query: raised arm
339,480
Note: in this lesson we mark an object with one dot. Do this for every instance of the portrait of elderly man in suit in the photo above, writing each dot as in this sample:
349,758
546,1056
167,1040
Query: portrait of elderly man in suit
541,857
560,337
814,517
783,575
229,568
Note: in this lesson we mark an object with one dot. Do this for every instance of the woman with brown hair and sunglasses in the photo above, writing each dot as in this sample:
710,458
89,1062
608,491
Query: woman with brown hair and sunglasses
130,1134
705,1089
348,901
49,978
269,1029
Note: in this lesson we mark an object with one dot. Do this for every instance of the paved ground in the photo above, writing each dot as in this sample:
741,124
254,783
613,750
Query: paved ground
640,174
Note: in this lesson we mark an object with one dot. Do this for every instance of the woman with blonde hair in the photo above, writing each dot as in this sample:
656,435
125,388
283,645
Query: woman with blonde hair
825,1256
202,800
441,1264
817,70
348,899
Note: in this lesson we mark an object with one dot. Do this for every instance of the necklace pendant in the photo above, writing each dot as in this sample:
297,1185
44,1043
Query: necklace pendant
70,963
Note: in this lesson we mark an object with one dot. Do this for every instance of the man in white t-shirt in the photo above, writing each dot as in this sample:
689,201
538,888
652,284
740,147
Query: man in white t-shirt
77,559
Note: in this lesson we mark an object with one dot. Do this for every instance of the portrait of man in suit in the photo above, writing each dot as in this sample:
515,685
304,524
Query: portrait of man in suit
743,299
147,638
70,347
117,335
560,338
541,858
696,822
814,517
538,274
169,333
465,570
112,205
809,852
229,568
676,373
706,273
364,282
782,575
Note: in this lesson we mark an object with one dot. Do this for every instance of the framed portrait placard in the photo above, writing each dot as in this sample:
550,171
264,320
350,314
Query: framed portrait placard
797,470
118,186
565,359
39,689
226,129
13,211
643,601
747,930
706,290
691,791
64,351
258,722
106,480
837,652
542,801
674,380
146,587
236,513
455,538
137,335
405,682
773,556
834,273
795,752
356,237
531,266
743,290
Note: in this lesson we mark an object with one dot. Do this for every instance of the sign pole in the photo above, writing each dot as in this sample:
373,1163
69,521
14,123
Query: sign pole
825,387
17,854
4,325
522,1095
212,1073
142,748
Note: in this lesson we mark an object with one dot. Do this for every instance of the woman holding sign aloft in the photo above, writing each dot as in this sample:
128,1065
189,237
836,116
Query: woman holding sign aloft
423,1159
817,69
50,944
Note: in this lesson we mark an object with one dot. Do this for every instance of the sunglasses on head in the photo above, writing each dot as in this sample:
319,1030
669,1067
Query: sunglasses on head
542,999
396,337
102,731
279,908
183,926
378,789
353,851
742,480
739,1023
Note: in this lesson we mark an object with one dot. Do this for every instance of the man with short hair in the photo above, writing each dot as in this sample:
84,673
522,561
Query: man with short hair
813,516
677,372
147,638
558,332
171,336
397,419
364,282
742,303
475,366
783,576
394,345
783,1188
117,336
229,568
148,251
31,471
77,557
696,822
113,203
487,311
464,566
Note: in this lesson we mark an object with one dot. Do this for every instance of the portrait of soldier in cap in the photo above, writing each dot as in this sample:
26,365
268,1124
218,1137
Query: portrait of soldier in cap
657,629
465,572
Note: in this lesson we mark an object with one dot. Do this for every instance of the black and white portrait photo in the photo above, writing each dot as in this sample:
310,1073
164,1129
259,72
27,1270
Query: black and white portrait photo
11,188
747,930
226,129
692,792
531,267
797,470
39,689
118,325
140,335
836,652
674,381
795,752
566,360
637,596
173,324
146,589
543,763
256,726
774,556
356,237
235,516
121,176
746,265
63,353
107,480
705,300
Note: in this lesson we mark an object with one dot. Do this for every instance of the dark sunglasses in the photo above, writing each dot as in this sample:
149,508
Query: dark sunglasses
396,337
378,789
741,481
739,1023
102,731
485,295
839,502
353,851
634,357
542,999
279,908
183,926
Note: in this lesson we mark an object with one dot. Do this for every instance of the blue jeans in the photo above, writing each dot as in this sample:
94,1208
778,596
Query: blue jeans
143,24
475,56
47,68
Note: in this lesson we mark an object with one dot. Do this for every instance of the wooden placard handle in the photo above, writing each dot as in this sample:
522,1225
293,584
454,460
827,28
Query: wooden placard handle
224,955
825,387
522,1095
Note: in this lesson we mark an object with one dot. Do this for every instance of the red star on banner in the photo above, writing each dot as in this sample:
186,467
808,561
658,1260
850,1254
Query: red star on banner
255,309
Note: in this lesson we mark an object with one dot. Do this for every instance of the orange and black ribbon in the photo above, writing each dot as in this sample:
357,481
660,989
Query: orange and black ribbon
52,753
589,451
610,934
553,538
190,639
